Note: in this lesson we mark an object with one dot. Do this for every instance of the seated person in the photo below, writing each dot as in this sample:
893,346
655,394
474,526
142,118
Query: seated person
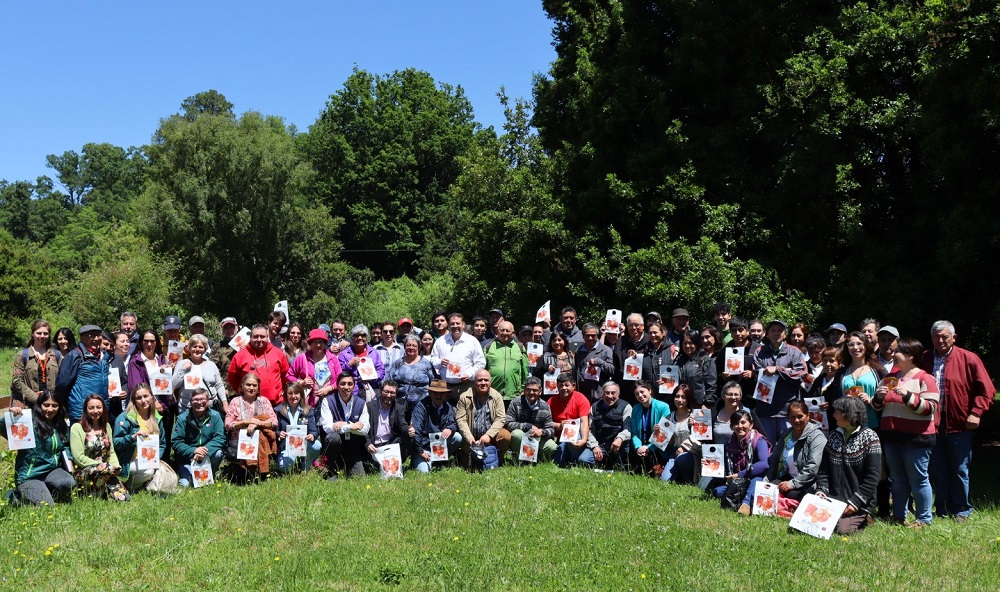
252,412
294,411
345,423
40,476
434,414
610,437
480,415
747,454
387,416
199,433
644,457
569,404
529,416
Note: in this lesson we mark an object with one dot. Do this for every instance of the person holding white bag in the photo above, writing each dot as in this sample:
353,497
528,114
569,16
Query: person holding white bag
139,420
197,371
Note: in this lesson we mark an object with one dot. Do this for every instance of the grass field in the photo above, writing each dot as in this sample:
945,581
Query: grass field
6,366
513,528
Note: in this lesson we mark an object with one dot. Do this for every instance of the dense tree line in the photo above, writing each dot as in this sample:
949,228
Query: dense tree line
820,161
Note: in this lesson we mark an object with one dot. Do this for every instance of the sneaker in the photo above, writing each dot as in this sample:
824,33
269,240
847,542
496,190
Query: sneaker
917,524
744,510
960,519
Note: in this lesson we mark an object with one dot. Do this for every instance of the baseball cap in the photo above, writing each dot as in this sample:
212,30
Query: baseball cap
172,322
406,320
838,327
890,330
227,321
680,312
196,319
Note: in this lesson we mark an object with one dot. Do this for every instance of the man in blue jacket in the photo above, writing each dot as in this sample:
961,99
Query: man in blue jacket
83,372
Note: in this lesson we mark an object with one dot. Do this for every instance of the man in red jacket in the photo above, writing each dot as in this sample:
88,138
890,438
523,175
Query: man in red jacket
264,360
966,394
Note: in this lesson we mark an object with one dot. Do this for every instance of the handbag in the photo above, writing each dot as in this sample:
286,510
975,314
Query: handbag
736,491
164,481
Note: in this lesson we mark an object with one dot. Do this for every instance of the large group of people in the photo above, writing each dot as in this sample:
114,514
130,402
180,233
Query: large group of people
866,417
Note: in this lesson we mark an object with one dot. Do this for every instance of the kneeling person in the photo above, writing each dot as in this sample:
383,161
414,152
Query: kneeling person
199,433
529,415
568,405
345,424
480,417
434,414
388,424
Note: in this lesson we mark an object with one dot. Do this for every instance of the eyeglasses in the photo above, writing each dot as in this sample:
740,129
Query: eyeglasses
388,331
361,335
149,341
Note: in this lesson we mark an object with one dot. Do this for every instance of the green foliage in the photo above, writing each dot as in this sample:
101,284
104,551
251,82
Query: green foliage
26,278
386,150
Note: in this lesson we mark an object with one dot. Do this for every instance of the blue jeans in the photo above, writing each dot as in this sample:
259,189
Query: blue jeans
424,466
908,474
567,454
950,473
184,475
287,463
679,469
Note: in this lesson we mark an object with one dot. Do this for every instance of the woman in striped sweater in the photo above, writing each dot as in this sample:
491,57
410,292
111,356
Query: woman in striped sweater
908,400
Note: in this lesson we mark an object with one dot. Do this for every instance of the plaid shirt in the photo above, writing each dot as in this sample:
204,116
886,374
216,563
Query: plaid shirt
521,415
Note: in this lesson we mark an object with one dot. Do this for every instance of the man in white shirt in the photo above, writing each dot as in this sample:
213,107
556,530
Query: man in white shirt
461,356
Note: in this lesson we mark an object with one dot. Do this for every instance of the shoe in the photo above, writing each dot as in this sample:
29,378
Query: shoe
960,519
917,524
744,510
897,521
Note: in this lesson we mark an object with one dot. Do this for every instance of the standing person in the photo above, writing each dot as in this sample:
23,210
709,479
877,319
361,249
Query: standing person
888,339
870,329
837,334
594,363
351,357
65,341
777,358
567,327
460,357
556,357
345,424
295,343
722,312
645,457
680,455
146,361
39,474
139,420
275,321
434,415
747,379
405,327
315,369
479,331
128,323
338,336
506,362
908,432
862,375
253,413
261,358
375,331
656,354
439,325
35,366
697,369
413,373
198,434
568,405
171,330
851,465
118,360
90,440
756,330
966,394
388,348
83,371
480,416
222,353
634,339
610,437
211,379
797,336
680,321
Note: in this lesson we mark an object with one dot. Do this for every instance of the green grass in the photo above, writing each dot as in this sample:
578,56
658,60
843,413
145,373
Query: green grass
6,369
509,529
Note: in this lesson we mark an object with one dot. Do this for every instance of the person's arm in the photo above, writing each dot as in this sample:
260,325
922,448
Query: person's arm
181,448
326,416
584,429
68,370
296,369
709,380
235,375
626,434
510,418
870,475
177,379
77,445
793,368
271,415
123,435
813,455
981,388
636,427
591,440
462,420
19,388
762,454
497,412
364,420
605,361
448,421
478,358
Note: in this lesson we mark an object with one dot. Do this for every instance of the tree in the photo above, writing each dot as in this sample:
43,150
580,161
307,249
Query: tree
25,280
385,150
225,199
210,102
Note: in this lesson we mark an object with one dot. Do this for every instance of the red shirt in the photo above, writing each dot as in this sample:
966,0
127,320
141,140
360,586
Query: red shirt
578,406
271,366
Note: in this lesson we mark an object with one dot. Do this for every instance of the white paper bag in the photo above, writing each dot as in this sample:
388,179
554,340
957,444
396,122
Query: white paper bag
193,379
295,442
534,353
20,430
613,321
817,516
544,313
713,460
663,433
529,449
734,360
115,389
701,424
764,391
450,370
591,372
633,367
247,445
147,450
439,447
670,379
241,339
175,351
160,383
366,369
390,461
570,431
201,473
550,384
765,499
812,404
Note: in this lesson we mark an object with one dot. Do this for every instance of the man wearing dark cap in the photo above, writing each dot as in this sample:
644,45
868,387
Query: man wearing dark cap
171,330
837,334
680,320
777,357
496,316
83,372
222,353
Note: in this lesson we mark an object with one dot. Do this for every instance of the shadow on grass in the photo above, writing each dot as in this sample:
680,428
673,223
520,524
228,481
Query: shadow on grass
984,486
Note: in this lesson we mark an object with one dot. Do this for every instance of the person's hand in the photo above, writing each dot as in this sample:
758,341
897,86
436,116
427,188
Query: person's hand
971,422
678,452
372,449
141,434
412,432
746,374
770,370
535,432
823,406
444,363
616,445
642,450
250,428
865,398
881,391
731,477
16,408
581,443
334,349
310,438
850,511
902,392
308,382
785,486
354,361
551,368
200,453
282,435
557,426
187,365
339,425
592,362
115,470
598,454
630,353
821,495
426,456
485,440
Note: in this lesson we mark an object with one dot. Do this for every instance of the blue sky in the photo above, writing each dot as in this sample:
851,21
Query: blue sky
78,72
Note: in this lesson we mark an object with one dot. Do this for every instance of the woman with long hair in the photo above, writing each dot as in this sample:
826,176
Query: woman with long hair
65,340
35,366
90,440
139,420
40,474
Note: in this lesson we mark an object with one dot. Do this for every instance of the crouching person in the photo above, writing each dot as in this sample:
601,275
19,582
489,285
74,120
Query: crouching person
387,416
433,415
345,423
529,416
610,434
199,433
480,417
294,412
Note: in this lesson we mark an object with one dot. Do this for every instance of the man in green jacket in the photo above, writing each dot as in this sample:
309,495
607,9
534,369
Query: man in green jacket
199,433
507,362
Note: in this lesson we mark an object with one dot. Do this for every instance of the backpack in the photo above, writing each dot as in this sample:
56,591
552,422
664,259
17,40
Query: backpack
26,353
